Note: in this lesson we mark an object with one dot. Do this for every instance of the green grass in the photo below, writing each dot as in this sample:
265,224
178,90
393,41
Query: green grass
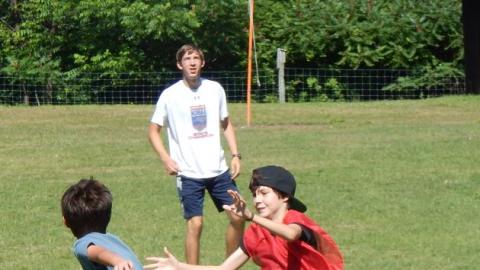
397,184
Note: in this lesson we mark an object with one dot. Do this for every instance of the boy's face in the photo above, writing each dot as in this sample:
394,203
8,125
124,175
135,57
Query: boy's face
268,202
191,65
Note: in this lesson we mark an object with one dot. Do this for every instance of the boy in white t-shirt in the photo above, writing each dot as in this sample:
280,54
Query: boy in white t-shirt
193,110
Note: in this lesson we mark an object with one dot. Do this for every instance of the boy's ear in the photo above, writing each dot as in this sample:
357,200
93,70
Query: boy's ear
179,66
65,222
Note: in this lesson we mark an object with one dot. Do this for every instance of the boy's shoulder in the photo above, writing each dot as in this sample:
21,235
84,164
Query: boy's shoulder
95,238
209,82
107,241
172,87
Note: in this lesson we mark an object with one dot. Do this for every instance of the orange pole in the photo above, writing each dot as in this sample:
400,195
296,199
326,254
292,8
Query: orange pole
249,64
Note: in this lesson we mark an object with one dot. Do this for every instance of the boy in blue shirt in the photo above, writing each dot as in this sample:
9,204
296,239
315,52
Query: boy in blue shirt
86,210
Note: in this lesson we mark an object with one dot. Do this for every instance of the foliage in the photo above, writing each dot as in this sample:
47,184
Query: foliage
334,89
125,36
362,34
309,89
431,78
221,32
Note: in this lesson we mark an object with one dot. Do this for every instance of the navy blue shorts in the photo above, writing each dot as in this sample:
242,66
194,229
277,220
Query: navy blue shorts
192,193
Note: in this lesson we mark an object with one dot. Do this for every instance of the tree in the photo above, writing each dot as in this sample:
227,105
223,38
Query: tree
44,39
471,30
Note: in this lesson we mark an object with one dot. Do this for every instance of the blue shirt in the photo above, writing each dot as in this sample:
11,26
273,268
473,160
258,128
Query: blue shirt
107,241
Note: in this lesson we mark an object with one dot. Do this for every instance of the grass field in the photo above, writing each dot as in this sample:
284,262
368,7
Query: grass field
397,184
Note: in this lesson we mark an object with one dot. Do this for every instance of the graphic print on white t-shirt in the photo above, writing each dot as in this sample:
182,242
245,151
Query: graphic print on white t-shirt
199,117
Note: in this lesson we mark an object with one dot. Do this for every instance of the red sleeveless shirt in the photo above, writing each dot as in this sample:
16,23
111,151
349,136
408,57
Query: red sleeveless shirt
274,253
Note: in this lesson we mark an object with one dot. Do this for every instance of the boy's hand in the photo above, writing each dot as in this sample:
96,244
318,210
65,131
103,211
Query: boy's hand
124,265
239,206
235,167
167,263
171,167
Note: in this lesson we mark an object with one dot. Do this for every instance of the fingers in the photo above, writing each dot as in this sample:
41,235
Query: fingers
234,173
128,265
154,259
239,206
238,200
171,167
170,255
167,253
157,260
150,266
236,196
169,262
235,168
232,192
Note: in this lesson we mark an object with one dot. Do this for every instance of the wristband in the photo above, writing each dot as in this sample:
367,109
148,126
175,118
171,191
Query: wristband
237,155
250,219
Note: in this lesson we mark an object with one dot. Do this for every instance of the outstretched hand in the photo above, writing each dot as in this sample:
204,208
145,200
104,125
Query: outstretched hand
239,206
169,262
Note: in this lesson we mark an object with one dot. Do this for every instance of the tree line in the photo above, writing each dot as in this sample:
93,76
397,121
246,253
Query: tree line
46,39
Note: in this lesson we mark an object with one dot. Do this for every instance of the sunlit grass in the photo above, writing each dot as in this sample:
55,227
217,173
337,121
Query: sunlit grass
397,184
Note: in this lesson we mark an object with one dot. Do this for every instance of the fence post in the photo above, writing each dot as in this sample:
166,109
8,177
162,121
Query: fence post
281,74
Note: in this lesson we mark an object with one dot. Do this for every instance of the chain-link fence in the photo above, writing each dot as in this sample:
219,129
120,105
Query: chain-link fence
301,85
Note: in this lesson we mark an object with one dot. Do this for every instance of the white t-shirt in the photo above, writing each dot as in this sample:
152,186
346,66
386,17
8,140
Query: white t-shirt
192,118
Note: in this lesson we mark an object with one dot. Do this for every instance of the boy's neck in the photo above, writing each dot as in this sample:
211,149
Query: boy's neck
82,234
280,214
192,83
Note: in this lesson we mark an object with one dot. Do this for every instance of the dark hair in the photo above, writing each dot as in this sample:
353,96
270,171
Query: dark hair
254,184
186,49
87,207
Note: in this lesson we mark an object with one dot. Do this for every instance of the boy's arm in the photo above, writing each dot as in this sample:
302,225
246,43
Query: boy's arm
229,133
103,256
169,262
289,232
157,144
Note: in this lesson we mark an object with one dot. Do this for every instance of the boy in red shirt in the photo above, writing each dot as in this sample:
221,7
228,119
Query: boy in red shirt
280,237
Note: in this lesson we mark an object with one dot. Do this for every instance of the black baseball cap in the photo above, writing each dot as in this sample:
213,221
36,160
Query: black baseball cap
281,180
